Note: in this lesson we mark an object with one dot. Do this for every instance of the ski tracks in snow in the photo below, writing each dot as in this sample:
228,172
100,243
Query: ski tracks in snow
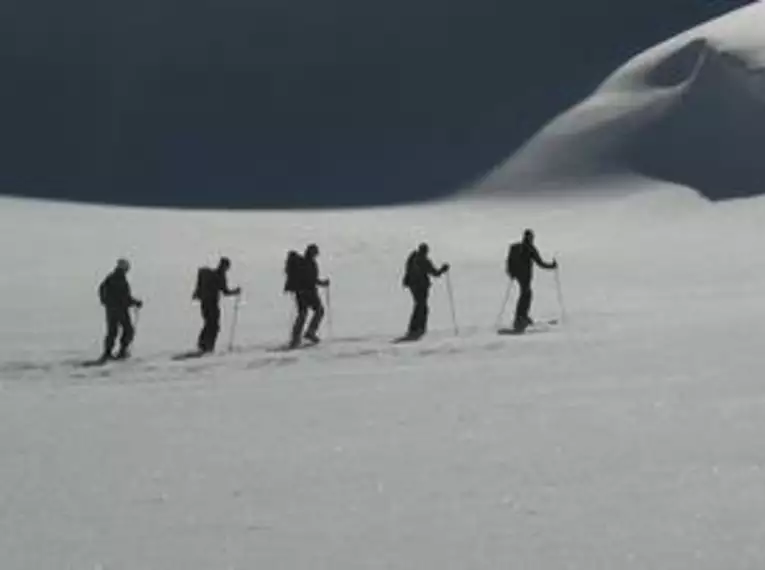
371,350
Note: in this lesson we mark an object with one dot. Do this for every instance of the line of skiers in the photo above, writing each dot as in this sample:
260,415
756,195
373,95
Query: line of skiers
303,282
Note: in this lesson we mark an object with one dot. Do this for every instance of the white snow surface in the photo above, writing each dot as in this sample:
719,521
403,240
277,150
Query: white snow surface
690,110
630,436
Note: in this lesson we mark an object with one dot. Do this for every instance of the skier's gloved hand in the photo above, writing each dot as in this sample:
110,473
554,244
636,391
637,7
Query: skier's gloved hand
139,303
554,263
237,291
445,267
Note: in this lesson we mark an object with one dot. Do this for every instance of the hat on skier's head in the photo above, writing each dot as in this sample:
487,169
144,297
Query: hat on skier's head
312,250
528,235
123,264
423,248
224,263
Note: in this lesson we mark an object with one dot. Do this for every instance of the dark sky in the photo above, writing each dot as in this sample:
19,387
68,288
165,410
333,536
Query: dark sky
289,103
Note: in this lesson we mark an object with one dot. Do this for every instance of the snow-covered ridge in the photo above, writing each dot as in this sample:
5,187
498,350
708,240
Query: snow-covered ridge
689,111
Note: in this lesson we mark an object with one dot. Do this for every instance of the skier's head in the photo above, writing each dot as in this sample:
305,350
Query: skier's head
224,264
312,251
123,265
528,236
423,249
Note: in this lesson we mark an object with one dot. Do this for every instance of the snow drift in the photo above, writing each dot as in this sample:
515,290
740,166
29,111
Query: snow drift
689,111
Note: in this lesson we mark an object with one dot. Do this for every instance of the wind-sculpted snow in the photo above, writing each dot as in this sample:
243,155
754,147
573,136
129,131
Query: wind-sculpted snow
237,104
712,137
689,111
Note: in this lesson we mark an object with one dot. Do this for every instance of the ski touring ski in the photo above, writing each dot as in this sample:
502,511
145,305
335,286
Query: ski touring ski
537,327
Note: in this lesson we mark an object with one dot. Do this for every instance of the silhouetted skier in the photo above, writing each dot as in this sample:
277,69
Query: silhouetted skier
520,259
303,282
211,283
419,270
114,293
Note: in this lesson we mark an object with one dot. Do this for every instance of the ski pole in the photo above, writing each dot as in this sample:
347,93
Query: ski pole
329,311
560,296
136,318
501,313
234,320
451,304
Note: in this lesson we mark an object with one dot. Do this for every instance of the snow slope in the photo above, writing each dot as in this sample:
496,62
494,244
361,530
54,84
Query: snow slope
690,111
630,437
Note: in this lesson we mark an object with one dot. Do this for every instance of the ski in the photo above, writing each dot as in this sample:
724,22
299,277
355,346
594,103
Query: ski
406,338
97,362
541,326
289,347
93,363
190,354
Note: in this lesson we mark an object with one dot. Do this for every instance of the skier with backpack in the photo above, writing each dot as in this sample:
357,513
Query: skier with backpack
114,294
302,280
519,266
211,283
418,271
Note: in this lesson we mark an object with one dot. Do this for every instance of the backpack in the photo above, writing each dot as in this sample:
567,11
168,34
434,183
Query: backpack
514,265
292,269
203,289
410,270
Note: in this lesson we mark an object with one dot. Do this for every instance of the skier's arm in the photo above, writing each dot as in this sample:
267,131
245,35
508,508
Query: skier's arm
431,269
540,262
132,301
319,282
225,289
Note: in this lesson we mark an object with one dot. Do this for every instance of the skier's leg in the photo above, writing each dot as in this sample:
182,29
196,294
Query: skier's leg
529,298
424,311
414,317
314,302
201,339
214,326
523,305
529,320
208,334
112,327
419,319
302,313
128,333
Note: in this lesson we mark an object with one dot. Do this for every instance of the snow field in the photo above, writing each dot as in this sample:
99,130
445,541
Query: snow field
628,438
